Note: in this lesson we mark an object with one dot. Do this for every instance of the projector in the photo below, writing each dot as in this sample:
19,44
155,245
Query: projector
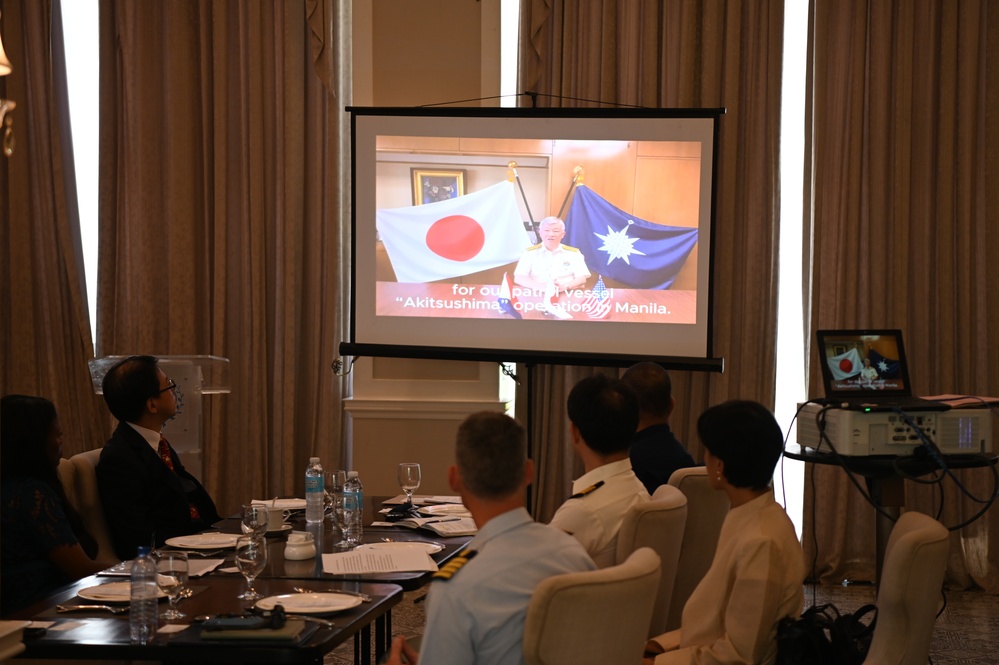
955,432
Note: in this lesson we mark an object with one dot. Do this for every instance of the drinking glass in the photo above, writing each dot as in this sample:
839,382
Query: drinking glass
334,495
409,479
171,577
251,557
254,520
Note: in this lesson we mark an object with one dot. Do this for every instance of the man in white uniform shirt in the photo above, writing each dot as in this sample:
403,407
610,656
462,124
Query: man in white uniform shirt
603,414
551,262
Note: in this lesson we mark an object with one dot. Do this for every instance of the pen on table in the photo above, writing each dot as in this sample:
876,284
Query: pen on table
449,519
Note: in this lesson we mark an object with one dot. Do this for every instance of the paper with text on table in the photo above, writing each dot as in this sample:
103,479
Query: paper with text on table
378,561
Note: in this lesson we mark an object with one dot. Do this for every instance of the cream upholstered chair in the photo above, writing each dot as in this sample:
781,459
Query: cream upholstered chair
706,510
658,524
909,594
599,616
80,482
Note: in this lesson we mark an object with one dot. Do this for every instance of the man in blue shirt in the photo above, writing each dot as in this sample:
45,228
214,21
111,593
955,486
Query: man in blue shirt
477,604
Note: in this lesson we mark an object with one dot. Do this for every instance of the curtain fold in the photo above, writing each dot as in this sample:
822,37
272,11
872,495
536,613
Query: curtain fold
45,335
221,210
901,231
687,54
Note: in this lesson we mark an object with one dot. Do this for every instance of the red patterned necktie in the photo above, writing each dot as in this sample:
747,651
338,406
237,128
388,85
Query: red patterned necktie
164,451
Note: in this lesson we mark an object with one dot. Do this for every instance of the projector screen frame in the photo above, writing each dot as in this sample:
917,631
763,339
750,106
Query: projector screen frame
472,352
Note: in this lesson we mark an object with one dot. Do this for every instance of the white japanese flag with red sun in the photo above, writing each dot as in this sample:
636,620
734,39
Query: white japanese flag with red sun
455,237
845,365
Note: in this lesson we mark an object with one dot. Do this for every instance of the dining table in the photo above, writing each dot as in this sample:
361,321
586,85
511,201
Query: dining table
100,634
310,574
327,537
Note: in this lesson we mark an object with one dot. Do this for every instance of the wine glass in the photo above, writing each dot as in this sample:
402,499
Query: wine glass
171,577
409,479
251,557
254,520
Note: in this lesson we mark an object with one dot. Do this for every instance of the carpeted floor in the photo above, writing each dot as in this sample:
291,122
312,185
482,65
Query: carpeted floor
966,633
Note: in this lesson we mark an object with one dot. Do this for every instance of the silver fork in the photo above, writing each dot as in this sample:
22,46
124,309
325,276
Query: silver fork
363,596
86,608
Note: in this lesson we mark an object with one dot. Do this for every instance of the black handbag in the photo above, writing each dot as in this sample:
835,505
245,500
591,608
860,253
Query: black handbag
825,636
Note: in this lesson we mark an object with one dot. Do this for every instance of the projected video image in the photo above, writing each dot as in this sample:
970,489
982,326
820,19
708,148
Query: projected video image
550,230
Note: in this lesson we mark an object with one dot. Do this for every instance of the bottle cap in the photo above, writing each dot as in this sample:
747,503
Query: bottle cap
352,474
143,550
313,460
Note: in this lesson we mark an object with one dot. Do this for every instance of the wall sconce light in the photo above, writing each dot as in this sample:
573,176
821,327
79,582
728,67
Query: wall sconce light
6,105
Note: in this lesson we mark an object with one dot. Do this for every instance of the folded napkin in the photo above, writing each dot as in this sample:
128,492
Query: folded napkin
195,567
199,567
290,632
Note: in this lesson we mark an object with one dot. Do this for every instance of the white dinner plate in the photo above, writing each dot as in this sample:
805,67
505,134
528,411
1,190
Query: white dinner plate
284,504
428,547
310,603
112,592
204,541
455,509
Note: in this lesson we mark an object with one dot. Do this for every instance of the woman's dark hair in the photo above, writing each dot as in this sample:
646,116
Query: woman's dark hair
746,437
25,424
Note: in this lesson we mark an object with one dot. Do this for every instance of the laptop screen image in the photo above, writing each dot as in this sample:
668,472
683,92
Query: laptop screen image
863,363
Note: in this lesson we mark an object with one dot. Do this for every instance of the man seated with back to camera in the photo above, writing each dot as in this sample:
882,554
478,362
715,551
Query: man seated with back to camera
603,415
478,601
148,495
655,452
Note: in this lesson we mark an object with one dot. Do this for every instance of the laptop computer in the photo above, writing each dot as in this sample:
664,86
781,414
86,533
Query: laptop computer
866,370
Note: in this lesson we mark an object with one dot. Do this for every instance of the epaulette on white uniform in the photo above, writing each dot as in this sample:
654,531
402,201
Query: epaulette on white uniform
589,490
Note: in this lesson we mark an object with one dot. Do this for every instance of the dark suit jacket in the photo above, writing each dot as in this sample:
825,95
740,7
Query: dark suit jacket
144,501
655,454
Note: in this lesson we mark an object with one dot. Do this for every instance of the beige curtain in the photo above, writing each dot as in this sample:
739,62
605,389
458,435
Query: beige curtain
221,225
689,54
45,337
902,230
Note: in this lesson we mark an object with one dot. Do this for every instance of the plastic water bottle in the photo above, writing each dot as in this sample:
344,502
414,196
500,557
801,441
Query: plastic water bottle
353,508
315,497
143,611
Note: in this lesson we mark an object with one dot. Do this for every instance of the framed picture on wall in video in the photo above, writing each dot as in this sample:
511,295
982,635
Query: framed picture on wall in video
434,185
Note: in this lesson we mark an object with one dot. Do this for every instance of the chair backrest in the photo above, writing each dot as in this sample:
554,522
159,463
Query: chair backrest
706,510
909,594
82,492
599,616
658,524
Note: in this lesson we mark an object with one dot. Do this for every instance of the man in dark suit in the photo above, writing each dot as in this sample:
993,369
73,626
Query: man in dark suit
655,451
147,494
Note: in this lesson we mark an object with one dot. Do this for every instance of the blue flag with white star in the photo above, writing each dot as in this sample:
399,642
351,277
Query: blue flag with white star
637,253
887,368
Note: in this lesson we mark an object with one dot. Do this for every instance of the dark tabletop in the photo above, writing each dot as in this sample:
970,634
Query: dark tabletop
100,635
